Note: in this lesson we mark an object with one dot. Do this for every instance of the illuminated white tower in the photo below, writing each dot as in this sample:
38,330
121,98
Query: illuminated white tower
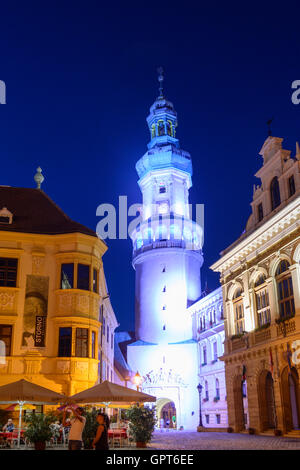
167,258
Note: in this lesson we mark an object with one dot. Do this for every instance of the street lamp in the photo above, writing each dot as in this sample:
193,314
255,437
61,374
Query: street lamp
200,387
137,380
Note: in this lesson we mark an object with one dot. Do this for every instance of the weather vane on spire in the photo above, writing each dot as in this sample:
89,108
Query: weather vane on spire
161,77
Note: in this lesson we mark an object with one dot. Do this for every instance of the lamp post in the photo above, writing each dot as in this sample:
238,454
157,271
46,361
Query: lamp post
200,387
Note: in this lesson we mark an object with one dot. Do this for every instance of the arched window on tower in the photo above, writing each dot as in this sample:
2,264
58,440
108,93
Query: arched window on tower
285,290
275,193
169,128
153,132
160,127
262,301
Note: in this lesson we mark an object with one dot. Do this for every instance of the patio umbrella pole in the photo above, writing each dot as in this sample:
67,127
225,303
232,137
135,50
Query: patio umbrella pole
21,404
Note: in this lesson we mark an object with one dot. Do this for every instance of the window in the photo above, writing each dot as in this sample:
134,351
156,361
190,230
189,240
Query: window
65,342
5,337
238,312
111,376
218,419
82,342
67,276
83,277
215,351
107,333
217,388
206,390
93,344
111,341
95,280
104,371
8,272
275,193
260,212
292,188
207,419
262,302
204,356
285,290
162,189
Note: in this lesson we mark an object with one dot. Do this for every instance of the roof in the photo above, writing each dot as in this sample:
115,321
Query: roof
34,212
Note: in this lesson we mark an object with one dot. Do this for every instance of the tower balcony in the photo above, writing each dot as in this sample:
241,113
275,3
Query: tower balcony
162,244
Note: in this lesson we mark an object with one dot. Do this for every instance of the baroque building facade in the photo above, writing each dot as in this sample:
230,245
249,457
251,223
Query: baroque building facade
50,267
208,328
260,277
167,257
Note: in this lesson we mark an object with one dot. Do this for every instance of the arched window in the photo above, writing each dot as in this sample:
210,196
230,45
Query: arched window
262,301
275,193
161,127
238,307
153,132
169,128
285,290
217,389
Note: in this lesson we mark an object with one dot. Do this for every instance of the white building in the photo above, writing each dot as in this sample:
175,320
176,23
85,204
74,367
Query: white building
167,258
106,336
208,326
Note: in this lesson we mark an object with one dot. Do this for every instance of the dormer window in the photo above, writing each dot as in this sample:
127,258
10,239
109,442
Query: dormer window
5,216
260,212
162,189
292,188
275,193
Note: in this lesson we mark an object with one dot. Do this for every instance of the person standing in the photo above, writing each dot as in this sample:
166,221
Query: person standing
101,439
77,426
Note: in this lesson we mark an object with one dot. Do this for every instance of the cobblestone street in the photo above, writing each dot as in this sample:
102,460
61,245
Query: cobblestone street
190,440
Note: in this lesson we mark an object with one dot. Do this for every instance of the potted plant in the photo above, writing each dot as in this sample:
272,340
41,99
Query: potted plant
90,428
38,429
141,424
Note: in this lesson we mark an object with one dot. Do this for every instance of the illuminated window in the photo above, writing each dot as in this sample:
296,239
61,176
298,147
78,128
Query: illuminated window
262,301
275,193
161,128
82,342
169,128
285,290
8,272
153,133
67,276
93,344
218,419
238,308
5,337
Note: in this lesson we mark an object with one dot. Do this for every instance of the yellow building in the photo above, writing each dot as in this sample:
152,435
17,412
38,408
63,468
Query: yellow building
50,268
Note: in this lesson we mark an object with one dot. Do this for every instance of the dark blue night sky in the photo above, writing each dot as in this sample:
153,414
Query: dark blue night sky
81,77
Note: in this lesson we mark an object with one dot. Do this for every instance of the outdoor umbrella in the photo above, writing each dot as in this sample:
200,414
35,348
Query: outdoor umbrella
22,392
107,392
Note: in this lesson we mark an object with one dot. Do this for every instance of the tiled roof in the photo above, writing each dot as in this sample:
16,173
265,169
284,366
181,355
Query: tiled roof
34,212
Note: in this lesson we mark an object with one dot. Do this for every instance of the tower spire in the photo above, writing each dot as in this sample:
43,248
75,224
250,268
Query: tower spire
160,72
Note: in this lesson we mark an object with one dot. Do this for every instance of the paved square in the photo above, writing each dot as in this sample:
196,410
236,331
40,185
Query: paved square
191,440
